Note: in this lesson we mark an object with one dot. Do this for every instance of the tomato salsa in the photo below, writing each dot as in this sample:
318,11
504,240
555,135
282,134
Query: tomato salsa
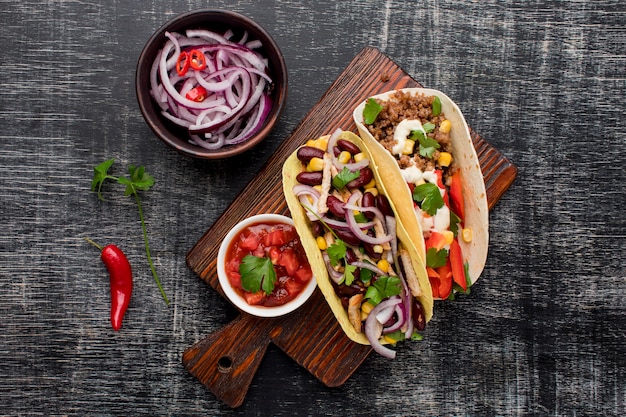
279,243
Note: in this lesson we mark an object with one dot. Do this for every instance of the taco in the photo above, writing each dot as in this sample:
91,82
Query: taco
419,138
365,264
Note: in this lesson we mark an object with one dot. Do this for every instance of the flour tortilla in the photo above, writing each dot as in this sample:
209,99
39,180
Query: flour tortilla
291,168
476,209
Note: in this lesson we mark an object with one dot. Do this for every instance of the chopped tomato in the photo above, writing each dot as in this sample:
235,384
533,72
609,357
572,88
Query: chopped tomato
303,274
456,261
254,298
293,287
276,237
457,202
274,254
250,242
289,260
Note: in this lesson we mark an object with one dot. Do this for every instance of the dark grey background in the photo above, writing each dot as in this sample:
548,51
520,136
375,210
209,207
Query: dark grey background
542,332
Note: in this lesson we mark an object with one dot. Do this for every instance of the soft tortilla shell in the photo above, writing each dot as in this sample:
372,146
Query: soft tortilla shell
291,168
476,209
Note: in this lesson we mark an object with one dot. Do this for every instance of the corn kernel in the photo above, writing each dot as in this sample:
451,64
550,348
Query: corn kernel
322,143
466,234
370,184
383,265
318,188
364,315
372,190
389,340
359,157
344,157
378,249
448,236
367,307
408,147
321,243
444,159
315,164
445,126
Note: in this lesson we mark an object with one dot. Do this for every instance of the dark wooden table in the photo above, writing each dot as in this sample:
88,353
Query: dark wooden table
542,332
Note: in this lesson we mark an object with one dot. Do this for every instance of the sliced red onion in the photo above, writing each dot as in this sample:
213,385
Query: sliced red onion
335,275
354,225
235,76
374,329
370,266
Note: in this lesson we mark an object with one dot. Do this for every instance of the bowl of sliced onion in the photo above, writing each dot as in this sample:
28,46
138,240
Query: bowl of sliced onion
211,83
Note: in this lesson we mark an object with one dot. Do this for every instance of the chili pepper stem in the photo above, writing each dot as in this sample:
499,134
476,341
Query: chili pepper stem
145,239
94,243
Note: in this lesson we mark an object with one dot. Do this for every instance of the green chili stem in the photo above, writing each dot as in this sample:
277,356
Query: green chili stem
145,239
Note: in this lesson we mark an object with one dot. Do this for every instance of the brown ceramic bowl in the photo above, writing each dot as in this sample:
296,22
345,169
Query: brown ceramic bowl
218,21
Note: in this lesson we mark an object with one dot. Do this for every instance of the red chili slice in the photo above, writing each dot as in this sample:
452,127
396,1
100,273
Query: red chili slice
182,63
197,60
198,94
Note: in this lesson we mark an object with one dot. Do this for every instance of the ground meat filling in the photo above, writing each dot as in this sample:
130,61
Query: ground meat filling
403,105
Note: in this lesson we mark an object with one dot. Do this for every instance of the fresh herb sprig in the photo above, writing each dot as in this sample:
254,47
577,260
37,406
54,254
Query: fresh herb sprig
139,181
257,273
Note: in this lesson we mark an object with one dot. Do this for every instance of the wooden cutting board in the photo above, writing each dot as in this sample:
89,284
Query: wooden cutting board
226,361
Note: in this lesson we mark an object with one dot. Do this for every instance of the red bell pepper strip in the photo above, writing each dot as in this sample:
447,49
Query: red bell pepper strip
457,203
445,281
456,262
197,60
435,240
182,63
198,94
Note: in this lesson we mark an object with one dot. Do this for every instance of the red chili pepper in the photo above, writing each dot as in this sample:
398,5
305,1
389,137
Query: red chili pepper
197,60
182,63
120,279
198,94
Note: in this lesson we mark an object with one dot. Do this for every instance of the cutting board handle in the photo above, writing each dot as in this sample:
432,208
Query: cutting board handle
227,360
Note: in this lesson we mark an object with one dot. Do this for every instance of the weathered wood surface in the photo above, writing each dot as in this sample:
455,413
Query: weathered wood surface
541,334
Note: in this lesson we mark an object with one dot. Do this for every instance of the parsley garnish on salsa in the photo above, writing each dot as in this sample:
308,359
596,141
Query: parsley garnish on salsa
257,273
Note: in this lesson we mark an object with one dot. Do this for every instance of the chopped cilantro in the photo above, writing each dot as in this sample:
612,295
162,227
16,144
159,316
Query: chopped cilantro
428,127
429,197
345,176
384,287
257,273
366,275
348,274
397,336
337,252
416,337
371,111
436,258
427,145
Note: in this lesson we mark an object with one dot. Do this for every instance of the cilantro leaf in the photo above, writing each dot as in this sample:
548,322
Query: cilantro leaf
345,176
436,258
371,111
384,287
429,197
100,174
427,145
257,273
428,127
348,274
336,252
366,275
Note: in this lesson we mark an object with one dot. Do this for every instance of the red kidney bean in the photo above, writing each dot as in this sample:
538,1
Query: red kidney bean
419,319
336,150
350,256
382,203
335,206
369,249
346,145
317,228
310,178
306,153
365,176
347,236
369,200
